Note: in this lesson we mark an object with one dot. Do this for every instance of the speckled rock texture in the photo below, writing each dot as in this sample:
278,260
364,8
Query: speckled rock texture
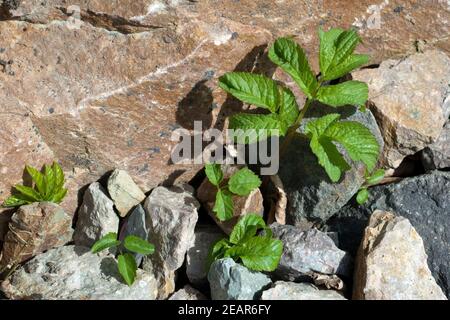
282,290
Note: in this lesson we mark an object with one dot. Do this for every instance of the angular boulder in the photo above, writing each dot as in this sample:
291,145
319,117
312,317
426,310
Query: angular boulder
135,225
187,293
282,290
437,154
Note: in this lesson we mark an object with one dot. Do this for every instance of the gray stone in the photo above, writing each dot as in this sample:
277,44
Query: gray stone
231,281
188,293
135,225
125,193
424,200
197,255
73,272
392,264
437,154
282,290
410,99
311,194
171,218
307,252
96,217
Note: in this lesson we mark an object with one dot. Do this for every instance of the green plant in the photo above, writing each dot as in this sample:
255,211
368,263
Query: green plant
125,261
257,252
283,117
374,178
48,186
240,183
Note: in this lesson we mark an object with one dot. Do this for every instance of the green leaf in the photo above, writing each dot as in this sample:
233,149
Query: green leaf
223,206
345,45
108,241
256,127
214,173
289,108
138,245
127,267
49,182
217,251
14,201
362,196
251,88
59,176
37,177
58,196
29,193
242,230
346,93
287,54
327,48
243,182
258,253
376,177
359,142
351,63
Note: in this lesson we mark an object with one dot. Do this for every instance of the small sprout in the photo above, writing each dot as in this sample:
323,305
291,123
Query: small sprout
374,178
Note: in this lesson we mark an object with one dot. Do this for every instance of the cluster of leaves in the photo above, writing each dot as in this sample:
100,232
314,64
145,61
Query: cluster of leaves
257,252
241,183
284,118
48,186
373,179
125,261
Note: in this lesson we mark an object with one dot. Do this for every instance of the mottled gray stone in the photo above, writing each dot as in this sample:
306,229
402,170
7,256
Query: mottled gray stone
231,281
282,290
424,200
188,293
309,251
124,191
73,272
197,255
171,218
437,154
96,217
310,192
135,225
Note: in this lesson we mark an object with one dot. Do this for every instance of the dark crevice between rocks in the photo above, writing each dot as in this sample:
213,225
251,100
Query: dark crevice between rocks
5,9
111,22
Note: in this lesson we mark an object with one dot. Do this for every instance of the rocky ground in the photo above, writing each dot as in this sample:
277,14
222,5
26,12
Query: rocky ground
103,94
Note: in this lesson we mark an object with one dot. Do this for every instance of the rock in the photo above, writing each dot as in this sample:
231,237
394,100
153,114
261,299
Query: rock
197,255
33,229
424,200
282,290
437,154
311,195
74,273
231,281
307,252
171,218
124,192
187,293
410,99
392,263
253,203
135,225
123,105
5,218
96,217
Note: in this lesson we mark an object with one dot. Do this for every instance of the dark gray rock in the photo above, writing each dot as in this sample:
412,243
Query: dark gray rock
423,200
231,281
135,225
311,194
305,252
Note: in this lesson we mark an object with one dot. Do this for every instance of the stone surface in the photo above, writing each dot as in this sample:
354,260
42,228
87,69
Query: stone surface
282,290
392,264
171,218
310,192
96,217
411,100
437,154
188,293
307,252
231,281
5,217
423,200
253,203
112,91
33,229
74,273
124,192
197,256
135,225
